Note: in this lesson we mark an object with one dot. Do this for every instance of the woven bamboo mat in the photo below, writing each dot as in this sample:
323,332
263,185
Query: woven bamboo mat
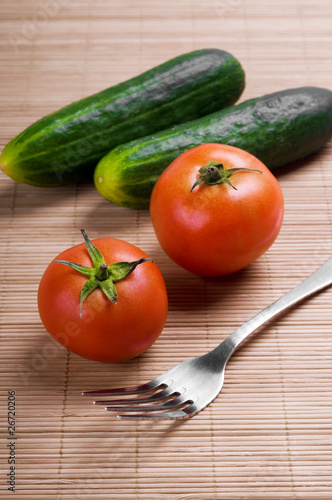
268,435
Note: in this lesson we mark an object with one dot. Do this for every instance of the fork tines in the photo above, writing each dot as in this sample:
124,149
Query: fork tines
160,405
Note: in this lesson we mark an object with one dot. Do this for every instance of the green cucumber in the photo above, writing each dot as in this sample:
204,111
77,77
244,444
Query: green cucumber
277,128
65,146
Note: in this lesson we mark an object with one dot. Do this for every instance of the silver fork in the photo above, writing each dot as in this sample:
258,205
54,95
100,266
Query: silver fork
190,386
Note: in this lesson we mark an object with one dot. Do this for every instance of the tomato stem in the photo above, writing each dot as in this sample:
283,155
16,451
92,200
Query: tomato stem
214,173
101,275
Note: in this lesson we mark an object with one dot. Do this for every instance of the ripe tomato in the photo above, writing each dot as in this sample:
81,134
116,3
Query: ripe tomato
115,322
210,227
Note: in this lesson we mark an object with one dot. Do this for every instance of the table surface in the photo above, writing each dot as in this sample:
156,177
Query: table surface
268,434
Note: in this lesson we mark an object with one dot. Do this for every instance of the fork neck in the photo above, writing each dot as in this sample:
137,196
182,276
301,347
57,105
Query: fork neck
317,281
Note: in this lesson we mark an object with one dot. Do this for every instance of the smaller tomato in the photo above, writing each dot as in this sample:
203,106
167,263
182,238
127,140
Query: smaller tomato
82,308
216,209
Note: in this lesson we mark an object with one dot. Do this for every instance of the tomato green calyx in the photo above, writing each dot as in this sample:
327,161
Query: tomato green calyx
101,275
215,173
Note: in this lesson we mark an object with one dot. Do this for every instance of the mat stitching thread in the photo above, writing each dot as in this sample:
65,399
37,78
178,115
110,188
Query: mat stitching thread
66,380
207,339
62,427
287,432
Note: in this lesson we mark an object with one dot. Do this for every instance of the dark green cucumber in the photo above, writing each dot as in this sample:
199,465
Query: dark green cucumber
65,146
278,128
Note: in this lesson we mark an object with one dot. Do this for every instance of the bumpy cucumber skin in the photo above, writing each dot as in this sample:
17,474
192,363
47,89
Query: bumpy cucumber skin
64,147
277,128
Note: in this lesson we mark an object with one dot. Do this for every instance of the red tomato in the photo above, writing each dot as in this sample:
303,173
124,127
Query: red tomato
104,331
213,230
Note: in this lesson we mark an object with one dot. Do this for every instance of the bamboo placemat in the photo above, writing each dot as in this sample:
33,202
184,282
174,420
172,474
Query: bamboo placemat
268,434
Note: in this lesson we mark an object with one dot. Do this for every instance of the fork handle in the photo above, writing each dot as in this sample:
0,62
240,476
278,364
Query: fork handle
315,282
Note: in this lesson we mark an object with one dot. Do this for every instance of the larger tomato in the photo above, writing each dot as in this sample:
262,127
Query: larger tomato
211,218
116,319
